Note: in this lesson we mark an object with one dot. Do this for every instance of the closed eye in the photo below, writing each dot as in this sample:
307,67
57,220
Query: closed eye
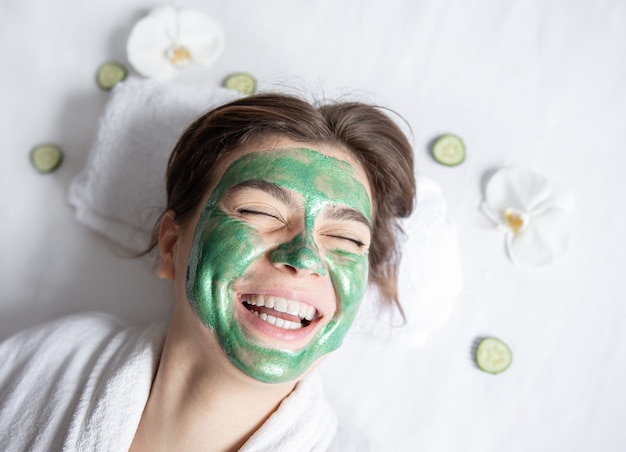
352,240
261,217
246,211
260,204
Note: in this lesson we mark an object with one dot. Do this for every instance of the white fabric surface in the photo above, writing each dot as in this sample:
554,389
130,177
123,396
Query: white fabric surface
524,82
121,192
81,383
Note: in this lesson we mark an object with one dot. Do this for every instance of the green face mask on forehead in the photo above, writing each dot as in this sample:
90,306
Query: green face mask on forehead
224,247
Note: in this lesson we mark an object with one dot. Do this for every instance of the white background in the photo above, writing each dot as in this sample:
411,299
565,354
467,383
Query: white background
539,84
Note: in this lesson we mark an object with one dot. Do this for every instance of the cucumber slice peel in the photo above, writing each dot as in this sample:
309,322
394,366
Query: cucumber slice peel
449,150
240,82
110,74
46,158
493,355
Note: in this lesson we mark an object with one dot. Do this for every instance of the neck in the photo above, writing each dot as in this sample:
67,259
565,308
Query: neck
199,398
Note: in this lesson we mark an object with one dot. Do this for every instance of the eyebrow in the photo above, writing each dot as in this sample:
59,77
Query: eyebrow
348,214
274,190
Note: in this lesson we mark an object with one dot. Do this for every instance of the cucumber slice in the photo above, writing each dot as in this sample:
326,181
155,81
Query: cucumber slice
449,150
241,82
110,74
46,158
493,355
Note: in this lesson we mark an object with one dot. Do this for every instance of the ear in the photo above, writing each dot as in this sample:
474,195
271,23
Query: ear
168,238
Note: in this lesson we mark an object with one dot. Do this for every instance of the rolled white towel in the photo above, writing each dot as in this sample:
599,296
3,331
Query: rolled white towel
121,190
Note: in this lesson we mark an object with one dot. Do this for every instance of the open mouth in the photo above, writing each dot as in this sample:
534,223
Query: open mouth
280,312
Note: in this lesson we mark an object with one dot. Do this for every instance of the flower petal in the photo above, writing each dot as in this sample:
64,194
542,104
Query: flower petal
563,200
146,47
544,240
168,18
516,188
535,217
201,35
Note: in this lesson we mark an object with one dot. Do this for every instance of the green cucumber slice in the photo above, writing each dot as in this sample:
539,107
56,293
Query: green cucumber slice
46,158
241,82
493,355
110,74
449,150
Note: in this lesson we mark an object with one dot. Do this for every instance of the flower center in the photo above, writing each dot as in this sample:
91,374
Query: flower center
178,55
515,220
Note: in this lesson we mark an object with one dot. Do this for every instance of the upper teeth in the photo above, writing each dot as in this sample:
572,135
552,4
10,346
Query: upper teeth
292,307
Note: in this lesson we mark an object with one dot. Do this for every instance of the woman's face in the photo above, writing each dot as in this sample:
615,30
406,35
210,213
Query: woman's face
279,259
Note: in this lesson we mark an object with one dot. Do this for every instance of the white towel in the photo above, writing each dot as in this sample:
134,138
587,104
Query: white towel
56,378
121,192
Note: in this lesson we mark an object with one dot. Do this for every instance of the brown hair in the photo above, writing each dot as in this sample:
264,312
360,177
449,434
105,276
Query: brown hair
370,135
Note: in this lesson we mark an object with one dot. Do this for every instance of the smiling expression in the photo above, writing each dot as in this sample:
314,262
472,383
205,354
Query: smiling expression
279,260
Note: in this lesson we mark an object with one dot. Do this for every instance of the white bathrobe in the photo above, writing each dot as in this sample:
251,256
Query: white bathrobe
82,382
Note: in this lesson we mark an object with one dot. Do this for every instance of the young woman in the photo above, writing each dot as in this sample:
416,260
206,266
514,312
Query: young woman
278,215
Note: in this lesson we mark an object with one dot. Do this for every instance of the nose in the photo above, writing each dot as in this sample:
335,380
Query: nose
300,255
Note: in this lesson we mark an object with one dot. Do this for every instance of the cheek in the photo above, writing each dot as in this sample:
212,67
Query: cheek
348,273
222,251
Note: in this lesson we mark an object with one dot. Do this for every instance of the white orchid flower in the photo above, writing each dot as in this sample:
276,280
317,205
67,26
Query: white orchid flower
168,39
535,217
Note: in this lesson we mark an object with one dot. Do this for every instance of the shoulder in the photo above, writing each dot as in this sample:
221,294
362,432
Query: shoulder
46,368
74,336
92,324
53,351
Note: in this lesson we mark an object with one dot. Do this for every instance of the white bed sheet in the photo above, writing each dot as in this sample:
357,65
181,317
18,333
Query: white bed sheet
530,83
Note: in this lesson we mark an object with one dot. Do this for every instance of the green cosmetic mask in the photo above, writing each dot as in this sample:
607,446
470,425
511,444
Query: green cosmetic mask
224,247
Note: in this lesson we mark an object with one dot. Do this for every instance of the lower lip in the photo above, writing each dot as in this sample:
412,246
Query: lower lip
296,338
